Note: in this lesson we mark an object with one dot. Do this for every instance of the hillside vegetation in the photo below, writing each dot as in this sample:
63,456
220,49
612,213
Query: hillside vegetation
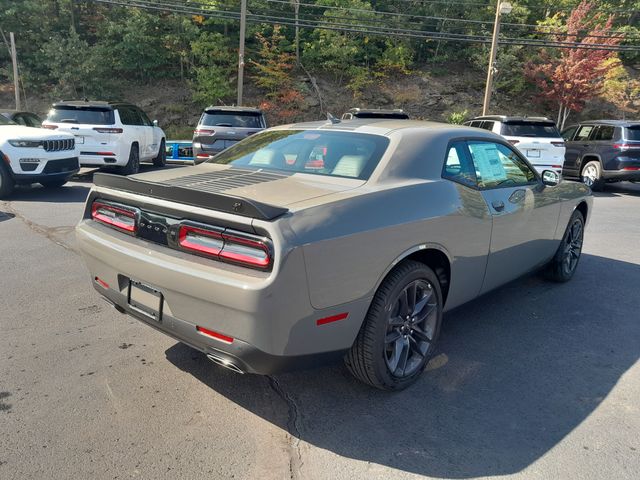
173,64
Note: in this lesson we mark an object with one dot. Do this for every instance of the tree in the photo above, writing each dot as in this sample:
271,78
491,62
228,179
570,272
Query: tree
576,75
620,89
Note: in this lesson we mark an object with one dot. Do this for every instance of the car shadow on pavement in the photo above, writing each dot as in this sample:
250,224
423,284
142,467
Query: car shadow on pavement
35,193
621,189
517,371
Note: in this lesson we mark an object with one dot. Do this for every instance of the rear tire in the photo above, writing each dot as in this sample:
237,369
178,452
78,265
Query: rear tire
565,262
161,159
400,331
133,165
6,183
591,176
53,183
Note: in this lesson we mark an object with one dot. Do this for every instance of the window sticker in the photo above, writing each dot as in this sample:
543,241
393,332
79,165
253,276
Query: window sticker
487,160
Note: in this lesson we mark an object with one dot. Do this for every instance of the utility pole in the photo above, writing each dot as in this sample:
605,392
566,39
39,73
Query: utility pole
243,26
502,8
14,59
296,8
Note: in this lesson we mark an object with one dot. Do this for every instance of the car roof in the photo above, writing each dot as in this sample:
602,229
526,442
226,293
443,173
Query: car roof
110,105
223,108
614,123
376,110
376,126
513,118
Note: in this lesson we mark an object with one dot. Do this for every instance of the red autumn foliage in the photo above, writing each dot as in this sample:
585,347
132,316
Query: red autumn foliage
577,74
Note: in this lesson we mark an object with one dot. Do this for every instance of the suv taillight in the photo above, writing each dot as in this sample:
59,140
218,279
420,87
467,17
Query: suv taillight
514,142
623,147
50,127
107,130
203,131
557,144
119,217
235,247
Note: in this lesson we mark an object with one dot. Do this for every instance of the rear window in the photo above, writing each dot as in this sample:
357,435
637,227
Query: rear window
337,154
232,119
83,115
5,121
529,129
633,133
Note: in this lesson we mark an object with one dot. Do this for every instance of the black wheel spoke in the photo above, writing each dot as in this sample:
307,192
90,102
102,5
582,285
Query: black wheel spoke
396,321
404,304
421,334
404,356
392,336
415,347
412,292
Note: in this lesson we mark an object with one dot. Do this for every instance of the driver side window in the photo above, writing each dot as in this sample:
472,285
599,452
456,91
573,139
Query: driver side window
497,165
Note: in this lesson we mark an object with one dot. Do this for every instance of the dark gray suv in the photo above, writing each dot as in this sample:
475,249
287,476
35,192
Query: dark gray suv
221,127
602,151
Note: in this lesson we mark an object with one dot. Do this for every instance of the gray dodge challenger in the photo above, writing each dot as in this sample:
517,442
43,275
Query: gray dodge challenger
316,241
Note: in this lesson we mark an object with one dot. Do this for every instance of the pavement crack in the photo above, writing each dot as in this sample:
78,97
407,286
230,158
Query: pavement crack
49,233
293,427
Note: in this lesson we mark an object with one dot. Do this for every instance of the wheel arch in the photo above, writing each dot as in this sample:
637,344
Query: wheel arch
433,255
589,157
583,208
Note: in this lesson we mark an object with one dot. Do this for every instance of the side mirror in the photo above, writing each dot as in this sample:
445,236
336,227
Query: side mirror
155,123
550,178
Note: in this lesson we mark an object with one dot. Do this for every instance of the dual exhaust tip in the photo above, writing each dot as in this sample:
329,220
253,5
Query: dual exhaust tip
223,362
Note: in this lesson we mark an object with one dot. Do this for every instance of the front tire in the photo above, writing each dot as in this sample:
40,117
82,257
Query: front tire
591,176
6,183
401,328
161,159
133,165
565,261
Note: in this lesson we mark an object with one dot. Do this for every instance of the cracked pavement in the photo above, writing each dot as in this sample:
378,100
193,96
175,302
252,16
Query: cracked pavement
532,381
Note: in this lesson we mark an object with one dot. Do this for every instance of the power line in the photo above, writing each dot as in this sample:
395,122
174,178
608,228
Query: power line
359,28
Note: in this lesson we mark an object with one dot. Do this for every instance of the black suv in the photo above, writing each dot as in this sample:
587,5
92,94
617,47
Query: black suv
221,127
602,151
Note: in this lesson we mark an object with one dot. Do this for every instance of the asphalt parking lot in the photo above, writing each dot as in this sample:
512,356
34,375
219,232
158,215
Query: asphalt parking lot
533,381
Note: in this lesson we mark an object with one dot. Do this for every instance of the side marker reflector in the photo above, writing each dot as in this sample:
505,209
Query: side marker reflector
216,335
331,319
101,282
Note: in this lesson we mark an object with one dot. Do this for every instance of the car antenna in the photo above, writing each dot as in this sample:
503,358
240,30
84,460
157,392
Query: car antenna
332,119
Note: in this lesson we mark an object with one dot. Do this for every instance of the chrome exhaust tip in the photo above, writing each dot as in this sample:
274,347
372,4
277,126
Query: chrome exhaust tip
223,362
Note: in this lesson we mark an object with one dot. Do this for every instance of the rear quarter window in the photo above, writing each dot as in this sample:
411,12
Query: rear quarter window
633,133
82,115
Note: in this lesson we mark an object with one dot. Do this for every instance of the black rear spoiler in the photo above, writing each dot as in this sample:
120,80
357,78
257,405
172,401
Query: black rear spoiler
197,198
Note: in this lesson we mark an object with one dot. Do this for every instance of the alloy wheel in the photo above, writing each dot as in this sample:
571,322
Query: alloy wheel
573,246
411,327
590,175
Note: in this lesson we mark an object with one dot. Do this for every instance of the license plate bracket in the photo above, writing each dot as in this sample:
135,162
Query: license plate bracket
533,153
146,300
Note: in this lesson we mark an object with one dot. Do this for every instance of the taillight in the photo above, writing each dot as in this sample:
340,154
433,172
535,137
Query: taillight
203,131
231,247
243,250
623,147
50,127
201,240
631,169
107,130
118,217
514,142
557,144
216,335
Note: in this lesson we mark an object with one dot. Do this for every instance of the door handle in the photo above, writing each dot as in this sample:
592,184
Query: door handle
497,205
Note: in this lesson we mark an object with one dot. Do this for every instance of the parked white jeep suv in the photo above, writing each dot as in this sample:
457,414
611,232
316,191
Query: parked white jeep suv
536,137
34,155
110,134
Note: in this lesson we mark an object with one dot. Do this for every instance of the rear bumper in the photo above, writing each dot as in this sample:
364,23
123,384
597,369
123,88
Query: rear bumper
267,314
238,355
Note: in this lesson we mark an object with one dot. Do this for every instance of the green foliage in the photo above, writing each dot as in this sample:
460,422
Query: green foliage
458,118
214,69
273,70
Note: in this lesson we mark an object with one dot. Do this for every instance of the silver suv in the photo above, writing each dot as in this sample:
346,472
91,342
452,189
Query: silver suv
221,127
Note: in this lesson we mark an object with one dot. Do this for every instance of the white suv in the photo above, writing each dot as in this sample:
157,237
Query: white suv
110,134
34,155
536,137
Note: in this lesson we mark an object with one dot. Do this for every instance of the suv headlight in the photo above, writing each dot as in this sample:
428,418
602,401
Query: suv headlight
26,143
